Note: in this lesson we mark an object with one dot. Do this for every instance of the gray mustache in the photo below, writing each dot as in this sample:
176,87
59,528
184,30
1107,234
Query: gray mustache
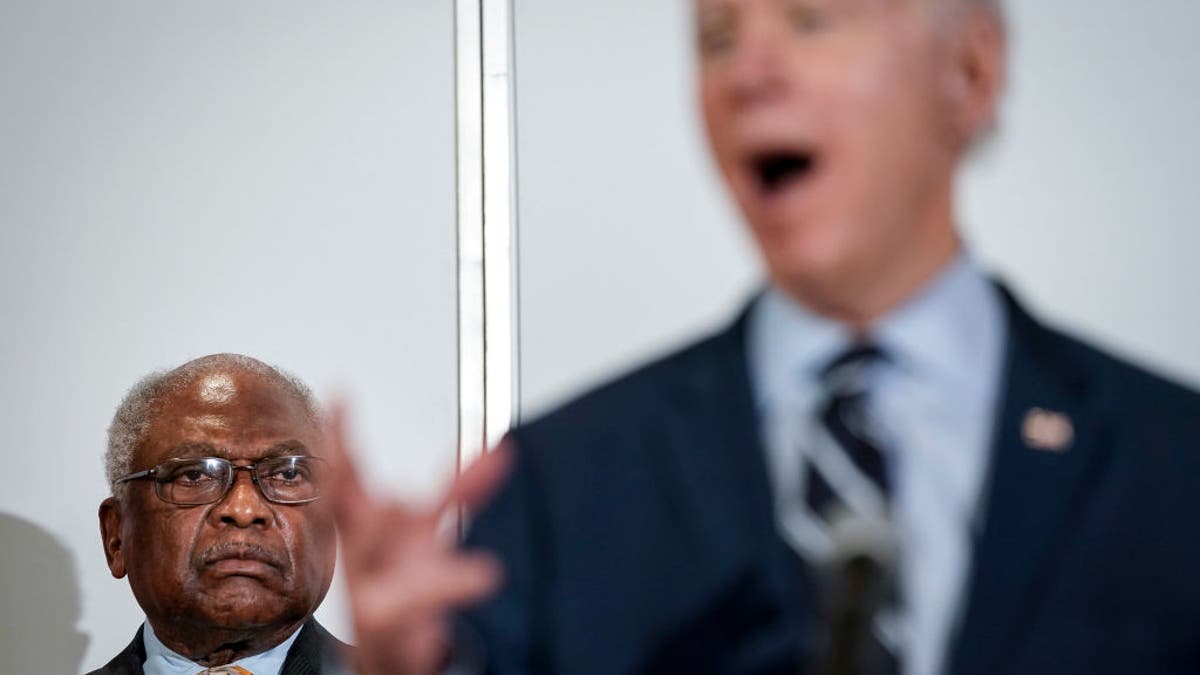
242,551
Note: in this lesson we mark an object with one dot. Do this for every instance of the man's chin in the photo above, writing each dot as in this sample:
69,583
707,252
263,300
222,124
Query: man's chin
241,602
815,272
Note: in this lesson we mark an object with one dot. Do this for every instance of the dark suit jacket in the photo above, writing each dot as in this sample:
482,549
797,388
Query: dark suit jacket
638,535
313,650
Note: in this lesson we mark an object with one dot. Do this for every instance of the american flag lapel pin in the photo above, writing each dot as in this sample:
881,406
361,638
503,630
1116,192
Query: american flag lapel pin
1047,431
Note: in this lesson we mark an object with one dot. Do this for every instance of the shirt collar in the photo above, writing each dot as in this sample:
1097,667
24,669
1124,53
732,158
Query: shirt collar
161,660
939,332
950,330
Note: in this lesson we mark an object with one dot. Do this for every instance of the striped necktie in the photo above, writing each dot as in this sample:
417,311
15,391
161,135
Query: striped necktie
847,491
225,670
865,487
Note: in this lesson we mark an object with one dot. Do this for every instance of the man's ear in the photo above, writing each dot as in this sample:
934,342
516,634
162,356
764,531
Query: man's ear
110,535
977,73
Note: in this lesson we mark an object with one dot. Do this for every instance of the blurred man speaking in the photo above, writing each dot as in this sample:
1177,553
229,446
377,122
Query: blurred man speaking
216,518
1019,502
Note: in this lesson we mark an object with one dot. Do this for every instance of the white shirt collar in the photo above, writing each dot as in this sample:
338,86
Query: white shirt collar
161,660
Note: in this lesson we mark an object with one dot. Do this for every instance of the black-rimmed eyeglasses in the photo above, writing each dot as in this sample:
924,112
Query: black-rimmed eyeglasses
293,479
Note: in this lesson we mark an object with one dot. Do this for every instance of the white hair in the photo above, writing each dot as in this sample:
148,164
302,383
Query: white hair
133,415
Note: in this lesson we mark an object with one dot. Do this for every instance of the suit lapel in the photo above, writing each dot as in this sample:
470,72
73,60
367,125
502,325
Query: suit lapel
1034,492
304,658
313,650
715,454
715,466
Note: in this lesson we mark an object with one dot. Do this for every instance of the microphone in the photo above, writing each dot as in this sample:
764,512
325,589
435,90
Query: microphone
860,580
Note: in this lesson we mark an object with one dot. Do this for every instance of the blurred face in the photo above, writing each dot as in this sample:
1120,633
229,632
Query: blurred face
837,125
240,564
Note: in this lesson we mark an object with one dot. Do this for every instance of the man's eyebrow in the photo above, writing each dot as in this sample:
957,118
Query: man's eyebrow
288,447
197,449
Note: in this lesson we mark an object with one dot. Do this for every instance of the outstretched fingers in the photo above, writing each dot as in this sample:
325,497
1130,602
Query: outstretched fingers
405,580
479,480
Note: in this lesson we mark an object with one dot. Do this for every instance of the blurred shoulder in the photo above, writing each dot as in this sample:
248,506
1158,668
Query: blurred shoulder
640,396
1128,386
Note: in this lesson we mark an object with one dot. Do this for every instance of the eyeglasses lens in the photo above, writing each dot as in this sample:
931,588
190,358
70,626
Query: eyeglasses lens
192,481
290,479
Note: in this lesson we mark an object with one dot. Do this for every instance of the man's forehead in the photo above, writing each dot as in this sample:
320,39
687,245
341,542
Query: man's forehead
704,6
255,423
229,409
230,392
192,437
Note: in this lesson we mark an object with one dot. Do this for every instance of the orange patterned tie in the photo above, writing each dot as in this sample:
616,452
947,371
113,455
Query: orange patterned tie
225,670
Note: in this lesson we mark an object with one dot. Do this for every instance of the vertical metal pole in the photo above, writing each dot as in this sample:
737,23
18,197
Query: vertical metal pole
487,348
468,73
499,191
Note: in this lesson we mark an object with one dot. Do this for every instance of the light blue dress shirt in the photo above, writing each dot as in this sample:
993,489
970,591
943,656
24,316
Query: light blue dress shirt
160,660
933,402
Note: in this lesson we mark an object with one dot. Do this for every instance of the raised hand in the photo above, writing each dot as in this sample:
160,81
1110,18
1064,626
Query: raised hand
404,577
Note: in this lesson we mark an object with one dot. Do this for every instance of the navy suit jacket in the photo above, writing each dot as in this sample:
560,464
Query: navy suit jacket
311,653
637,530
638,534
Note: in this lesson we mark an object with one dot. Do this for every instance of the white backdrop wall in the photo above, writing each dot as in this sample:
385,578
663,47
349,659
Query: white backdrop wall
277,179
1086,204
271,178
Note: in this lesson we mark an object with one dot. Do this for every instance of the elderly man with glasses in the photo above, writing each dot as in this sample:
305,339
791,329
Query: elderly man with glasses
216,518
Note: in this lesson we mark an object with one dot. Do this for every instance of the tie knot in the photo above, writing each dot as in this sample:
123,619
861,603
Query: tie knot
846,373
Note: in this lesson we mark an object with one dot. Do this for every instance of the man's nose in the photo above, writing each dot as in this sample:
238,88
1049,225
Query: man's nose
243,505
756,72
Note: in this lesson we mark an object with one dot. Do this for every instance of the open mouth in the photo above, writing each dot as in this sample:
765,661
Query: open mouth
778,170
